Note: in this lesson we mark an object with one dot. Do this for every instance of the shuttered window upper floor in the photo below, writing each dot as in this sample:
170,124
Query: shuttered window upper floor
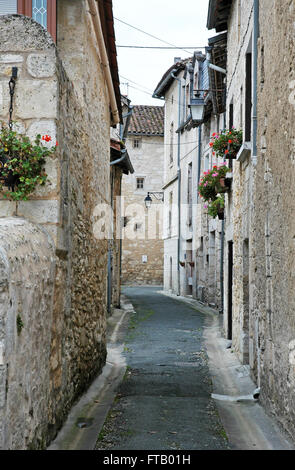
42,11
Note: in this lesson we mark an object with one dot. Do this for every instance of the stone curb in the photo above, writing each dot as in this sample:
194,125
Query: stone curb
92,409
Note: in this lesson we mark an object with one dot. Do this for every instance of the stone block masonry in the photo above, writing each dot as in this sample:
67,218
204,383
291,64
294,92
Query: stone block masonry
53,269
27,277
143,245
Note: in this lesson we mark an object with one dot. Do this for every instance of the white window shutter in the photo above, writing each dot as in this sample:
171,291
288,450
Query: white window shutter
8,7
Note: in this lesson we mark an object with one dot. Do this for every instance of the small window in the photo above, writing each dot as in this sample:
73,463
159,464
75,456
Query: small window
136,143
139,183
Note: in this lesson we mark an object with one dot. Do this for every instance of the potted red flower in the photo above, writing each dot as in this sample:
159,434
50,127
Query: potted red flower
227,143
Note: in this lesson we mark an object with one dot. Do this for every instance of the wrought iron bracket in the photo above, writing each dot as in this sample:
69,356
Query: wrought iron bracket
12,83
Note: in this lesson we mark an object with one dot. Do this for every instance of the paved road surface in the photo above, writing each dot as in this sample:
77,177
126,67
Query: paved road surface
164,401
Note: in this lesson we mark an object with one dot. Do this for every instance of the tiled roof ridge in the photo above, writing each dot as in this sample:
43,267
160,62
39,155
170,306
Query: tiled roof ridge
147,120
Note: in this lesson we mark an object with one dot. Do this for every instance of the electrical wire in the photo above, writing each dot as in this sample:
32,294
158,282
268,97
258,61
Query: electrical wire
151,95
165,48
167,145
135,83
151,35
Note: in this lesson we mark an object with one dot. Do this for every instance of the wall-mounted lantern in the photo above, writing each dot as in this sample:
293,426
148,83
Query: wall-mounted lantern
197,107
148,200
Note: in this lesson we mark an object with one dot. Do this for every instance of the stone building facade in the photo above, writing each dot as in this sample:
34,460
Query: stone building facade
259,223
120,165
142,260
192,240
53,269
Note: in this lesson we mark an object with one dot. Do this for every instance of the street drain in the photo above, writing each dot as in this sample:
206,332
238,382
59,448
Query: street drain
84,423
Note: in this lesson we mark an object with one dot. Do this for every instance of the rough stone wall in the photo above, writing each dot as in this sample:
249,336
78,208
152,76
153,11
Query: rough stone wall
27,277
78,341
35,105
261,209
47,101
116,243
274,228
239,201
146,240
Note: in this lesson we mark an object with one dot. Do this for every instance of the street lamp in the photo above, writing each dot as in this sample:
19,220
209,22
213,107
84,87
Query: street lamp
197,107
148,200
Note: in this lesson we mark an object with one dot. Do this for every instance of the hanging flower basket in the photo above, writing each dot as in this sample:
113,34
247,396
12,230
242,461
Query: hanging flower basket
213,185
227,143
182,263
221,187
217,208
22,163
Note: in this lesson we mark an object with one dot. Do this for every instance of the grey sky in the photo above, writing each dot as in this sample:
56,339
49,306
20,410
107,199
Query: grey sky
179,22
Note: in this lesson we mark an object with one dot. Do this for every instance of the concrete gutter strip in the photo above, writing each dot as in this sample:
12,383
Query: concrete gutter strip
93,407
247,425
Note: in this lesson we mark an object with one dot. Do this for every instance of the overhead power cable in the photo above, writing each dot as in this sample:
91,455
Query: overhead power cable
151,35
183,105
146,90
162,47
135,83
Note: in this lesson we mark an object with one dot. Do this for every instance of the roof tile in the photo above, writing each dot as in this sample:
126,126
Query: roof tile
147,120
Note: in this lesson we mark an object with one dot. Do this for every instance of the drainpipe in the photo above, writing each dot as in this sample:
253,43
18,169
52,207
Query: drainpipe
255,67
119,160
158,92
179,184
93,8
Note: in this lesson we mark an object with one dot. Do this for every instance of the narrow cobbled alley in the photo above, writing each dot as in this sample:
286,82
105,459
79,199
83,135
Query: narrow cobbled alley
164,401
